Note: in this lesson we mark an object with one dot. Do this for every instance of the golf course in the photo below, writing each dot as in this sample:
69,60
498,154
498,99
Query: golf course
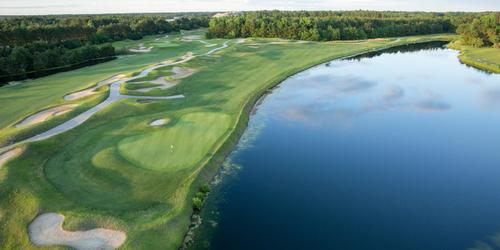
111,155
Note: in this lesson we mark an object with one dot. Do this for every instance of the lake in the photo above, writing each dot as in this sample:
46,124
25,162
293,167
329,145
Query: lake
395,150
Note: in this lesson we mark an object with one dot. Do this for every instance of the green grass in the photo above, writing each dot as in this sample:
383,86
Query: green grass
135,86
179,147
22,100
487,59
116,171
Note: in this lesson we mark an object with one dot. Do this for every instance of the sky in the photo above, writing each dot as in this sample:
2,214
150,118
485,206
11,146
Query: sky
41,7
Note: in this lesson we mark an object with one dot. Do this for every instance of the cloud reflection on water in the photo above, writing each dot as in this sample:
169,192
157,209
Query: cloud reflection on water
491,96
333,100
433,103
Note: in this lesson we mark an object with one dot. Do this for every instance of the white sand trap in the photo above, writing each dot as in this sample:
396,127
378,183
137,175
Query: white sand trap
141,49
159,122
192,37
45,115
47,230
180,73
162,81
90,91
9,155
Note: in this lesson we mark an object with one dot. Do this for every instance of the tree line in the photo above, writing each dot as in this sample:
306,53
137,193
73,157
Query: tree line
333,25
38,43
483,31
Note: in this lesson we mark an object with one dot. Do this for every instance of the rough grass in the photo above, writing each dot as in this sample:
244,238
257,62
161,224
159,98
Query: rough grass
111,172
487,59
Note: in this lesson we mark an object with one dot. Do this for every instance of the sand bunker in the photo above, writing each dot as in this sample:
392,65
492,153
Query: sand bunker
192,37
47,230
180,73
90,91
164,83
141,49
45,115
9,155
159,122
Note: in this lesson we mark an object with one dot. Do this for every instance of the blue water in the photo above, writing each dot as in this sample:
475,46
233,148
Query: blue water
397,151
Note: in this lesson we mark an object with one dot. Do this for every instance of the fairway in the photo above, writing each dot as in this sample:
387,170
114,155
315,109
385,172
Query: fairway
117,171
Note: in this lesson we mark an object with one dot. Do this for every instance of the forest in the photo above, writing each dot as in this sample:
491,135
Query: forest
40,45
482,31
334,25
32,46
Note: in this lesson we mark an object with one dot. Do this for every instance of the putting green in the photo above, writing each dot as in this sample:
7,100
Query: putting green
179,147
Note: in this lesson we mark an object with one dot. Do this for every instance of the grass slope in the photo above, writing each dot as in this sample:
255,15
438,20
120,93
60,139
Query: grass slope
116,171
487,59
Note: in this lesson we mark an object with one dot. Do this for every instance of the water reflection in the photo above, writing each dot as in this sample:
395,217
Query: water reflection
491,97
403,49
399,150
433,103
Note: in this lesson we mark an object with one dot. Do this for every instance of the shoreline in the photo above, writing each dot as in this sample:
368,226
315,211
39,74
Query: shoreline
213,166
464,58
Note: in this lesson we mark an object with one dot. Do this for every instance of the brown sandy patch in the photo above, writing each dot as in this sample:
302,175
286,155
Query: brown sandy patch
45,115
10,154
46,229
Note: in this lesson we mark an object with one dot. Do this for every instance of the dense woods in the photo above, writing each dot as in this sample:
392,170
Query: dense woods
481,31
39,45
45,43
333,25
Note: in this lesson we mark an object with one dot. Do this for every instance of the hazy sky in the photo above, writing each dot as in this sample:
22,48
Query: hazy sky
28,7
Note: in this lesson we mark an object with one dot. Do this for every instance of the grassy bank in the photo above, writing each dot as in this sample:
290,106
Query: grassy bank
116,171
487,59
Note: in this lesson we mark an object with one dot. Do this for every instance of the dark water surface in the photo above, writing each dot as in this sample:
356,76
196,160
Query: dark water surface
397,151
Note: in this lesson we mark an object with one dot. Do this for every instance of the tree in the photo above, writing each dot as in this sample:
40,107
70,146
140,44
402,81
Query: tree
20,60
